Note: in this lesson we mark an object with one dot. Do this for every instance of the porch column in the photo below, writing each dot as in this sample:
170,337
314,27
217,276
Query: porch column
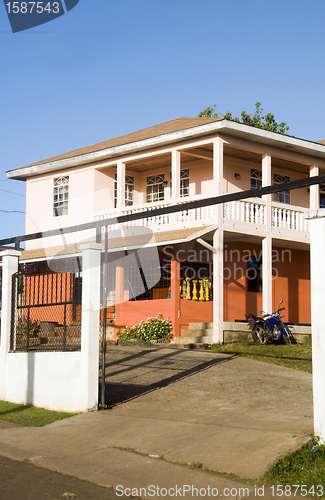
119,285
267,304
317,267
267,198
91,257
10,259
176,175
120,204
218,243
314,190
175,294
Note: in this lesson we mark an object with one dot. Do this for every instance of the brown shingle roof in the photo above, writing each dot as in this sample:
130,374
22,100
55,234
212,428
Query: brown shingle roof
146,133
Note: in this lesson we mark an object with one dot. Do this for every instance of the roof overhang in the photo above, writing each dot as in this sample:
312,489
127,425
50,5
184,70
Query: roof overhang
117,242
223,126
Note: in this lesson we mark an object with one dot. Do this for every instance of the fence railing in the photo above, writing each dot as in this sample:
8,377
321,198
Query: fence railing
46,312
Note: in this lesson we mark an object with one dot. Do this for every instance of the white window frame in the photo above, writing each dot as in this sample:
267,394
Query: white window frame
155,188
184,183
282,196
129,191
60,196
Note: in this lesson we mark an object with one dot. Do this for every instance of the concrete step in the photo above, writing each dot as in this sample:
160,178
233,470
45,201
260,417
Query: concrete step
196,332
200,326
204,339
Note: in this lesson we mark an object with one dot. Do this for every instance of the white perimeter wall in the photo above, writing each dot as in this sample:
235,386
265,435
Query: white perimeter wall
50,380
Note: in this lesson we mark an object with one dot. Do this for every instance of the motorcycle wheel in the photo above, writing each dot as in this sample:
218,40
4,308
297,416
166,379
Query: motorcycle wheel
287,338
259,335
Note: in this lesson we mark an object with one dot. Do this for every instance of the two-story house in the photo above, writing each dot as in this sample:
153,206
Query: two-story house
215,263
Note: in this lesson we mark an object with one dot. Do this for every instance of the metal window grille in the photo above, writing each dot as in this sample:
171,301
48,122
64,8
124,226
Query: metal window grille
60,196
283,196
46,311
135,279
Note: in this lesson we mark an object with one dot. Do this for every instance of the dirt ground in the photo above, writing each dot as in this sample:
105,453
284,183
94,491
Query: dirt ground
24,481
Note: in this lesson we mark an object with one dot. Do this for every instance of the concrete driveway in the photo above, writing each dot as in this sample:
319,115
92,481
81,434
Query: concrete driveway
172,408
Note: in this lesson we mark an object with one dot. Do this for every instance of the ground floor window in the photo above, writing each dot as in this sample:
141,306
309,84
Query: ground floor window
254,274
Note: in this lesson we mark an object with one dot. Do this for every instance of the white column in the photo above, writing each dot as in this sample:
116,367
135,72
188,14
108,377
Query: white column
218,286
176,174
267,303
317,264
10,259
218,243
314,190
90,322
120,186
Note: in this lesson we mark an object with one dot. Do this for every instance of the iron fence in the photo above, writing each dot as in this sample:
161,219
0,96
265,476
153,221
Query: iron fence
46,311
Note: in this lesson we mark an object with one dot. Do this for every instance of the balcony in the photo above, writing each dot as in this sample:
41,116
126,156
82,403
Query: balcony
248,213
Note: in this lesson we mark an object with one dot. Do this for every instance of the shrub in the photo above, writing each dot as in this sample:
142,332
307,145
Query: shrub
129,333
152,329
27,327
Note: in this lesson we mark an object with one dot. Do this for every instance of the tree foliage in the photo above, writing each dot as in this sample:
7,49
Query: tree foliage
266,122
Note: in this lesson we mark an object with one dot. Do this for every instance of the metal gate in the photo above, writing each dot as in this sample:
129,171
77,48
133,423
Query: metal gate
46,311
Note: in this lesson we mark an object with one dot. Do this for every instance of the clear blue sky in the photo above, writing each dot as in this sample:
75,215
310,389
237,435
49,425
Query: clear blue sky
108,68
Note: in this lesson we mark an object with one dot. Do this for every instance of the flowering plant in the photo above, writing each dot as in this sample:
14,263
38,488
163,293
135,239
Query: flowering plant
152,329
28,328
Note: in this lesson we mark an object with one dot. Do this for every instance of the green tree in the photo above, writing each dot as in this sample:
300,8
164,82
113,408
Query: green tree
266,122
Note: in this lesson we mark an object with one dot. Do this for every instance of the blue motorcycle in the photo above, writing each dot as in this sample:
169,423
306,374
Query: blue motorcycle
269,328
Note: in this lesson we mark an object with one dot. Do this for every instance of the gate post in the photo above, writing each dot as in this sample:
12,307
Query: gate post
317,275
90,321
10,259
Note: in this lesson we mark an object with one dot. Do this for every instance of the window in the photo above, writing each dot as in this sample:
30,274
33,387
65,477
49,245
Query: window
322,196
129,191
254,274
256,179
184,184
283,196
155,188
60,196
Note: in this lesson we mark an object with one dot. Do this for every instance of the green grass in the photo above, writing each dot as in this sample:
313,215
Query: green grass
30,415
295,356
305,467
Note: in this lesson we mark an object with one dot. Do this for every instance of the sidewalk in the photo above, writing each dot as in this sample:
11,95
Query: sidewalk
175,408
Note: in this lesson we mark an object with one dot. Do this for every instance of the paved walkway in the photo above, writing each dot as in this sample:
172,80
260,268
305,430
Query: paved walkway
172,408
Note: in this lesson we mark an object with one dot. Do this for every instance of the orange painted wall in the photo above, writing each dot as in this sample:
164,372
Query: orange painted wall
291,283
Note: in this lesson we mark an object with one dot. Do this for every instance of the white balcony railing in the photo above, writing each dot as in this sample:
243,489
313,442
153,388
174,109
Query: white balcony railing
289,218
246,211
251,211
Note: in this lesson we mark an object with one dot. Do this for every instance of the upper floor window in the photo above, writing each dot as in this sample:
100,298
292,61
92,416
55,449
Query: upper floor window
282,196
184,183
129,190
155,188
60,196
256,179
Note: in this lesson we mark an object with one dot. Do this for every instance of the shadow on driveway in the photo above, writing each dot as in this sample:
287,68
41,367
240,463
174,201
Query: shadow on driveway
133,372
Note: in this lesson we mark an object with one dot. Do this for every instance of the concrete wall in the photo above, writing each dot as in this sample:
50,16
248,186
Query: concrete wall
46,379
65,381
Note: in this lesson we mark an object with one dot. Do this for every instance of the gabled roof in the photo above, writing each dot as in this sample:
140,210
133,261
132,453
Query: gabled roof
167,133
140,135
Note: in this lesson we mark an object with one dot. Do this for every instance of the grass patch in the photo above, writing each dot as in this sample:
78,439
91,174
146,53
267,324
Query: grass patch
197,465
304,467
30,415
296,356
